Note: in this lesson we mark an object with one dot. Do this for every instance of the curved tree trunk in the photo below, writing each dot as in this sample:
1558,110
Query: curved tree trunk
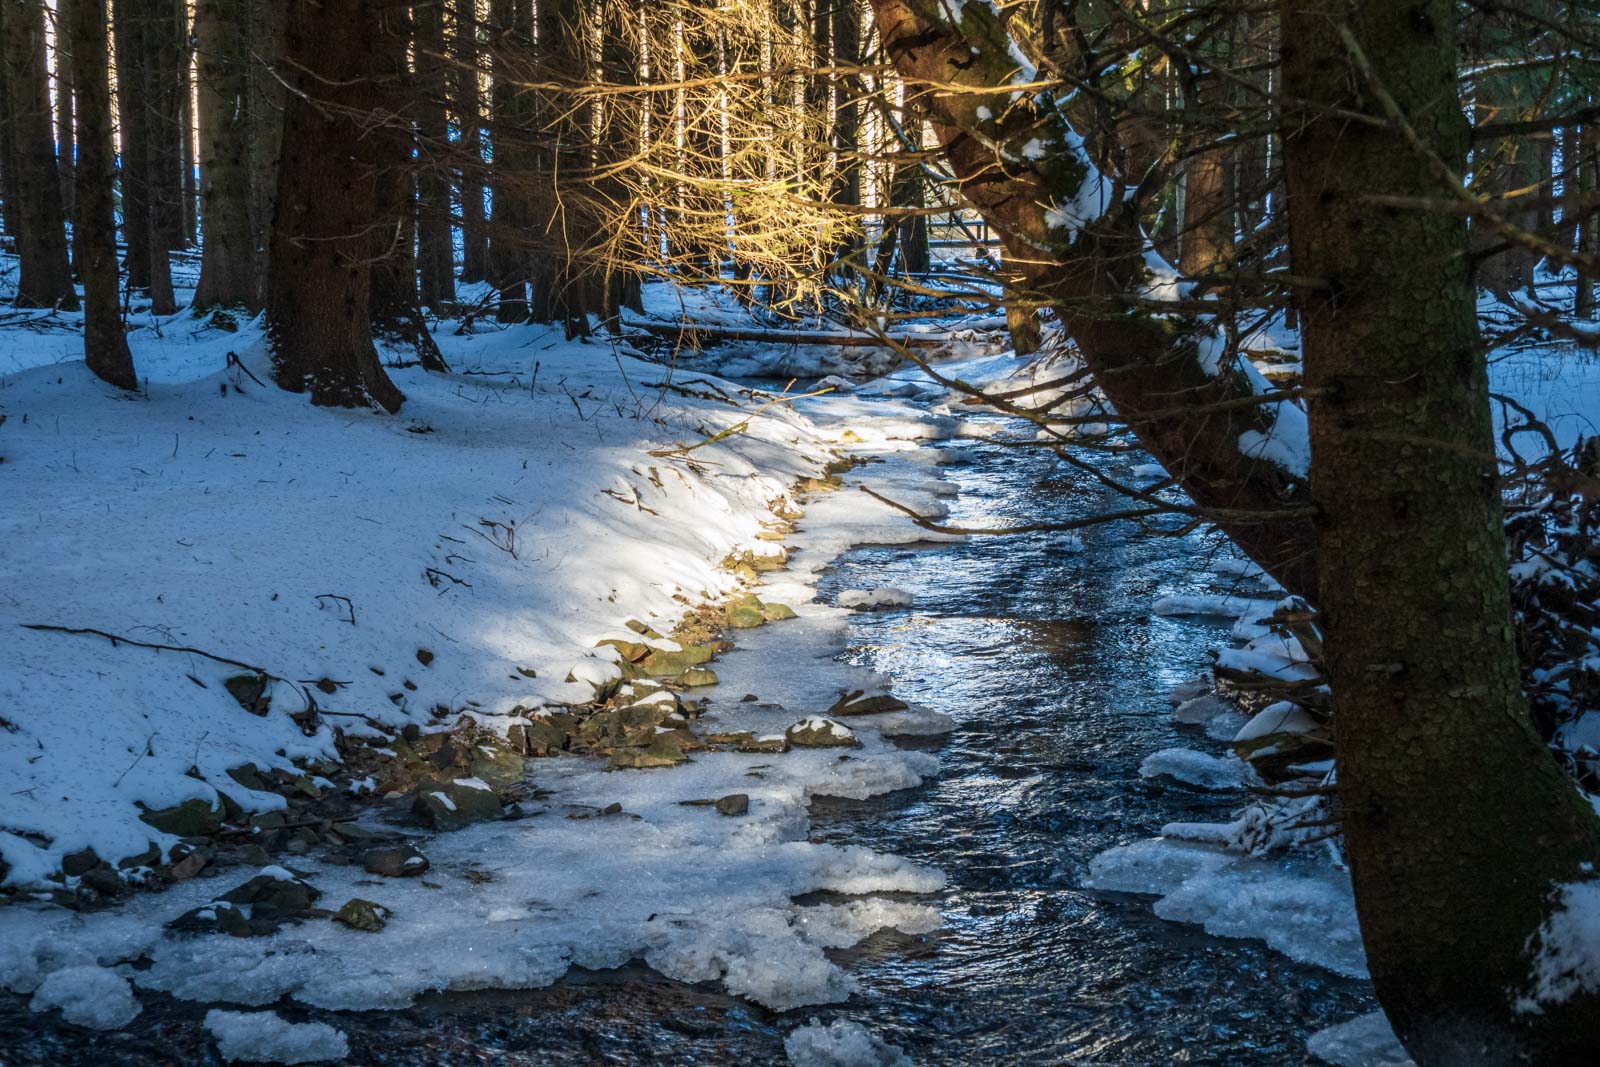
319,293
105,345
1458,822
1149,367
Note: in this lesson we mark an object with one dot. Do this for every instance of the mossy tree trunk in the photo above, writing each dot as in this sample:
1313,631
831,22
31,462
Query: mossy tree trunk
105,344
1458,822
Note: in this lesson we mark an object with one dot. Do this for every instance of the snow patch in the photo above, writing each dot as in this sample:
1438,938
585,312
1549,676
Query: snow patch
841,1044
88,996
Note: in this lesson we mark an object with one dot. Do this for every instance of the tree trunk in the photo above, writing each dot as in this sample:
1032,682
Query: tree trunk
267,24
1458,823
45,276
511,24
227,257
10,210
396,316
435,248
1205,240
132,142
467,104
318,319
163,85
105,345
66,155
189,186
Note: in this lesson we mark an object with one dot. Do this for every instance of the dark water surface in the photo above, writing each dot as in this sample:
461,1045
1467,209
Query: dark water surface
1057,673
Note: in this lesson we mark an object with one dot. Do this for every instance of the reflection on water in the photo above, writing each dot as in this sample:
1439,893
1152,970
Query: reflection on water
1050,661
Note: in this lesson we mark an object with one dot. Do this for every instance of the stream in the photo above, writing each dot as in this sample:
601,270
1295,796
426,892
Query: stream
1046,654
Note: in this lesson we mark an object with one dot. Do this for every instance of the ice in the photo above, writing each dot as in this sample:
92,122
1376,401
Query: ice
264,1037
1210,604
1365,1041
1199,769
89,996
1280,718
1299,905
842,1043
870,599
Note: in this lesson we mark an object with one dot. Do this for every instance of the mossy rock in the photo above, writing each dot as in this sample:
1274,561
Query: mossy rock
501,770
642,630
363,915
819,732
743,613
449,805
661,753
192,818
538,738
696,677
632,651
777,612
663,664
855,704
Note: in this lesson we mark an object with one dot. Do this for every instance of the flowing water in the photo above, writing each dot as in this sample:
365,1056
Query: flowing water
1047,655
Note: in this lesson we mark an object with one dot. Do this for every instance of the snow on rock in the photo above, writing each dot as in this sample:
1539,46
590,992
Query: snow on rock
1283,717
264,1037
841,1043
1208,604
1566,960
89,996
873,599
1365,1041
1199,769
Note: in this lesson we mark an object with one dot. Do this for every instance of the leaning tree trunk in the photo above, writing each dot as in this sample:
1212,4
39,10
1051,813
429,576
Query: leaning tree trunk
318,324
105,345
45,277
1459,825
1086,254
227,257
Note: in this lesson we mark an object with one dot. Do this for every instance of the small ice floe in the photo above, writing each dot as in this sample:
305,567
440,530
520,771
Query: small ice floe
841,1044
263,1037
89,996
1198,769
1365,1041
874,599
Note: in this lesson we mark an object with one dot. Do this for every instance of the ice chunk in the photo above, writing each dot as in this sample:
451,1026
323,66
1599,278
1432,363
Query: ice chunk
261,1036
1365,1041
1568,959
1197,769
841,1044
89,996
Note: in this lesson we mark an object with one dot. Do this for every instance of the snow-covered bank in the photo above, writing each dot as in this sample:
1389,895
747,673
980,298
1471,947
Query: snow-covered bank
464,557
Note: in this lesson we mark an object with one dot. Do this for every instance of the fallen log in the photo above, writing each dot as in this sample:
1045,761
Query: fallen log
687,331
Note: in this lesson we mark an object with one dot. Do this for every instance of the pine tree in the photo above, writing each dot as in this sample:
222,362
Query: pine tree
45,276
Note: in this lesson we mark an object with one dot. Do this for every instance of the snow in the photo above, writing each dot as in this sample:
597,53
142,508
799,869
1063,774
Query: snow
1365,1041
518,903
89,996
841,1044
265,1037
1198,769
869,599
1566,949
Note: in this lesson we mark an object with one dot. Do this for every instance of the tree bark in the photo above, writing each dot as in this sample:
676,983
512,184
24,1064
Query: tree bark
105,344
1458,823
511,24
435,247
318,308
66,155
467,105
267,24
227,256
45,276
